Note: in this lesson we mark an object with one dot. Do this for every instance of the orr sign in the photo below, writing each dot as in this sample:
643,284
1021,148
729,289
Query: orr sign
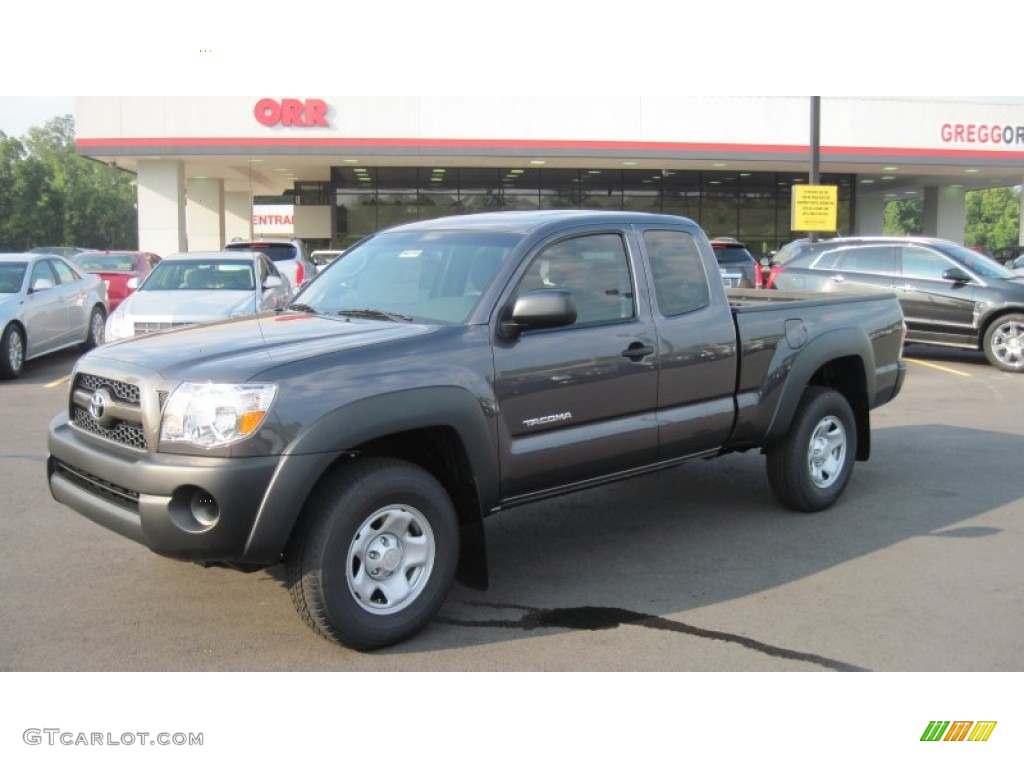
291,113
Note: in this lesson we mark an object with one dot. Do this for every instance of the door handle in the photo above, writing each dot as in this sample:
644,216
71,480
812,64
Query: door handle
838,278
637,351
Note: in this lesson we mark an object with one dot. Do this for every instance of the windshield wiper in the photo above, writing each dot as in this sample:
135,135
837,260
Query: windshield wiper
374,314
300,307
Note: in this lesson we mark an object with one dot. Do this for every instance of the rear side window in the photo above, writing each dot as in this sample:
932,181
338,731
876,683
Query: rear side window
680,283
875,259
733,255
276,251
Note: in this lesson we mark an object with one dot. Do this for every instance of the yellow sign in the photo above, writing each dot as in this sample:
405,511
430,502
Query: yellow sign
815,208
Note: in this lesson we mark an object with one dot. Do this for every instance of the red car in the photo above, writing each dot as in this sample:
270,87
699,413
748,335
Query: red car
117,268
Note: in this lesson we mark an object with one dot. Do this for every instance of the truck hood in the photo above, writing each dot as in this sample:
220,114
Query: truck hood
241,349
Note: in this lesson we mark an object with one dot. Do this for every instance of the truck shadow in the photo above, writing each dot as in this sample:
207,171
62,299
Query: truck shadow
709,532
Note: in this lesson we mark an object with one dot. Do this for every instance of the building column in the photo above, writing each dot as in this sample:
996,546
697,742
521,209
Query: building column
237,216
161,199
945,213
205,218
869,214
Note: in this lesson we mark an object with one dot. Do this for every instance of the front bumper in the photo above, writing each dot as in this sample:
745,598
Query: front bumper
164,501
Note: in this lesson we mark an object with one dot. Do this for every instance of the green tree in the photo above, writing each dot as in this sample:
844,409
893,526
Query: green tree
903,217
52,196
993,218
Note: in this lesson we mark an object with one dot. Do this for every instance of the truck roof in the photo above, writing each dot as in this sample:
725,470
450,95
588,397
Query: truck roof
526,221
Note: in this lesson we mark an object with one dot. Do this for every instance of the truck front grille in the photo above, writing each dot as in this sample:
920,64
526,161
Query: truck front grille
121,420
124,432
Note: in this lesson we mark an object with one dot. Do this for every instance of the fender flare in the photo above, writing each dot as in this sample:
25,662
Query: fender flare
337,433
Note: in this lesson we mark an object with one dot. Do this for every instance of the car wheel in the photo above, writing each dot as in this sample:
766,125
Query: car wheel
810,468
96,332
374,557
12,352
1004,343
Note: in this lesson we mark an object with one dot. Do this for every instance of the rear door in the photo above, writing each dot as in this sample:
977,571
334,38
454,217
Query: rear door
578,402
697,355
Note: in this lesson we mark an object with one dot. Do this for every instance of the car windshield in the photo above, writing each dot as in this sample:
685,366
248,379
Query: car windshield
106,262
732,254
12,274
276,251
788,251
196,275
433,276
979,263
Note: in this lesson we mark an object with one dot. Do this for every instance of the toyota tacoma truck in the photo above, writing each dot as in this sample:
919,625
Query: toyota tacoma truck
442,371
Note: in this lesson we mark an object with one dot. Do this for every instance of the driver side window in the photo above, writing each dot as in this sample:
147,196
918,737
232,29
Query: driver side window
594,269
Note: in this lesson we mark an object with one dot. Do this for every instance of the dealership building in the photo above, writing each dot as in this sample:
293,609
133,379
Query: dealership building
336,168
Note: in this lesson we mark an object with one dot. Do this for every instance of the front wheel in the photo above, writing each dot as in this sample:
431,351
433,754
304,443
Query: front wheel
374,557
810,468
1004,343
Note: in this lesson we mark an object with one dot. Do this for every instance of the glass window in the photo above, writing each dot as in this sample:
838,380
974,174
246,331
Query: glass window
680,192
600,189
923,263
594,269
65,274
42,271
680,282
719,210
560,188
873,259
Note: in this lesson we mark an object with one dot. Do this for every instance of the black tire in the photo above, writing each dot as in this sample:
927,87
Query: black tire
1004,343
810,468
12,352
374,556
95,333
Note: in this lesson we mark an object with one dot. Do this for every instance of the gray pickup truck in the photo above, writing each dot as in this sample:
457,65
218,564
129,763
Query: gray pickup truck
445,370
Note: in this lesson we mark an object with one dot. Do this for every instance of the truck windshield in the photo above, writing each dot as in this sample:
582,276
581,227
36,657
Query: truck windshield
430,276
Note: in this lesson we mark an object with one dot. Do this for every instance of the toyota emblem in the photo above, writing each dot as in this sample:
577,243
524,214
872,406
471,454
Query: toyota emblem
98,404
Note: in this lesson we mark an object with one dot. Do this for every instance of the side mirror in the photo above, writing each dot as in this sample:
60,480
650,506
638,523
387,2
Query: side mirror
272,281
42,284
542,308
956,275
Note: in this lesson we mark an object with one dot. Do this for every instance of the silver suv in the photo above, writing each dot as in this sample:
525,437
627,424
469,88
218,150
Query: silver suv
289,255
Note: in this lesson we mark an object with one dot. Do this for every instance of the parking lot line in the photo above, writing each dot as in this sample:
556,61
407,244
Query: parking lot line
58,382
937,367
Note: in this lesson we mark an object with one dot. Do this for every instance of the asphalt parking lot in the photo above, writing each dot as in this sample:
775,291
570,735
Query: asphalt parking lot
693,569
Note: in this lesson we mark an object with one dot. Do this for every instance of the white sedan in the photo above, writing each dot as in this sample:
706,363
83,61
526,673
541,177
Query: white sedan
201,287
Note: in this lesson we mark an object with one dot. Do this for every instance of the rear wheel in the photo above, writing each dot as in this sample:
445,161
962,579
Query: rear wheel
375,555
97,329
12,352
1004,343
810,468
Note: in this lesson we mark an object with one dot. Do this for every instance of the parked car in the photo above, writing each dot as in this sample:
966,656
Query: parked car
289,255
117,268
738,266
46,304
321,259
191,288
951,295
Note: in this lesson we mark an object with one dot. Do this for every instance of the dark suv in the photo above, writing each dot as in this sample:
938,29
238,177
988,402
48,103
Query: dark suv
738,266
951,296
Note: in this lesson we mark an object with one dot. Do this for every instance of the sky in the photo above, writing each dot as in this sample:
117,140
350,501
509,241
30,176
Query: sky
19,113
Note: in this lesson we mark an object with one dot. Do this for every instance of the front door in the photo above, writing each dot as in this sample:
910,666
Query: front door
578,402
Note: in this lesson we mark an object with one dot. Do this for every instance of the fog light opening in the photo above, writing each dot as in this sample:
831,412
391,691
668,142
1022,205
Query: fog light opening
204,508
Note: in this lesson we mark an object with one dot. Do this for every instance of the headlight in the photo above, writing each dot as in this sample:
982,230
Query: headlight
119,326
213,415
